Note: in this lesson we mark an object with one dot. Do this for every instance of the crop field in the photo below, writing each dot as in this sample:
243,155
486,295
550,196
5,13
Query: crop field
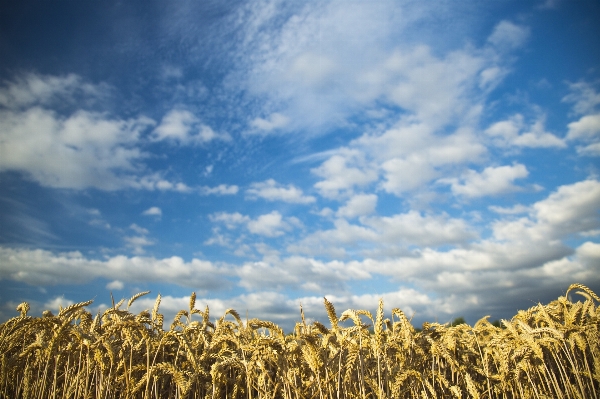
547,351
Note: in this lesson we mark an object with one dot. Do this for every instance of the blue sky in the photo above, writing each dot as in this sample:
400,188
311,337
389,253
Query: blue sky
443,156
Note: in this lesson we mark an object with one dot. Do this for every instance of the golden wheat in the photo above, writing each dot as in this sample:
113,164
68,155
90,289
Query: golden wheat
547,351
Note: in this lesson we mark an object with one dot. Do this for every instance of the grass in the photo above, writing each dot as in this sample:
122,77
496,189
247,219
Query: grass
547,351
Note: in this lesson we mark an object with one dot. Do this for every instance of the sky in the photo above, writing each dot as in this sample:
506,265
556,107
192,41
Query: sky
443,156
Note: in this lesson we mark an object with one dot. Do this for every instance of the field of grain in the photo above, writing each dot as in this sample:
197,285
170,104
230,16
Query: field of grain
547,351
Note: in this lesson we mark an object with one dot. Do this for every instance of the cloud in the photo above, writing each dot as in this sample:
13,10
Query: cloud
412,247
420,230
358,205
342,172
385,235
31,90
587,128
137,243
221,189
231,220
80,151
183,127
515,210
571,208
153,211
272,191
491,181
138,229
56,303
508,36
514,133
115,285
155,181
298,273
584,97
275,121
319,87
77,150
269,225
41,268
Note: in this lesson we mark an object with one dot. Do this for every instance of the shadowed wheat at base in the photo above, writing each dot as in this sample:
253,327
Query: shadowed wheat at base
547,351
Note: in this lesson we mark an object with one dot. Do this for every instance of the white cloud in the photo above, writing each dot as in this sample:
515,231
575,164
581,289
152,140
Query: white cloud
221,189
407,174
513,132
311,70
571,208
319,87
138,229
378,236
358,205
272,224
584,97
299,272
515,210
31,89
231,220
156,181
586,129
414,229
491,181
410,155
272,191
137,244
439,94
334,242
342,172
269,225
592,150
275,121
83,150
79,150
153,211
40,267
183,127
57,303
115,285
507,35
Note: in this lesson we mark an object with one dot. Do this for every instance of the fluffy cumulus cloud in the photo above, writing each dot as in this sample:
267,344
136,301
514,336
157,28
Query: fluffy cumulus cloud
221,189
153,211
31,89
82,150
40,267
272,191
342,172
76,150
272,224
491,181
269,225
585,130
275,121
358,205
513,132
183,127
508,35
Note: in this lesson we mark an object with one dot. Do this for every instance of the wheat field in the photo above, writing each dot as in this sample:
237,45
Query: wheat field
547,351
